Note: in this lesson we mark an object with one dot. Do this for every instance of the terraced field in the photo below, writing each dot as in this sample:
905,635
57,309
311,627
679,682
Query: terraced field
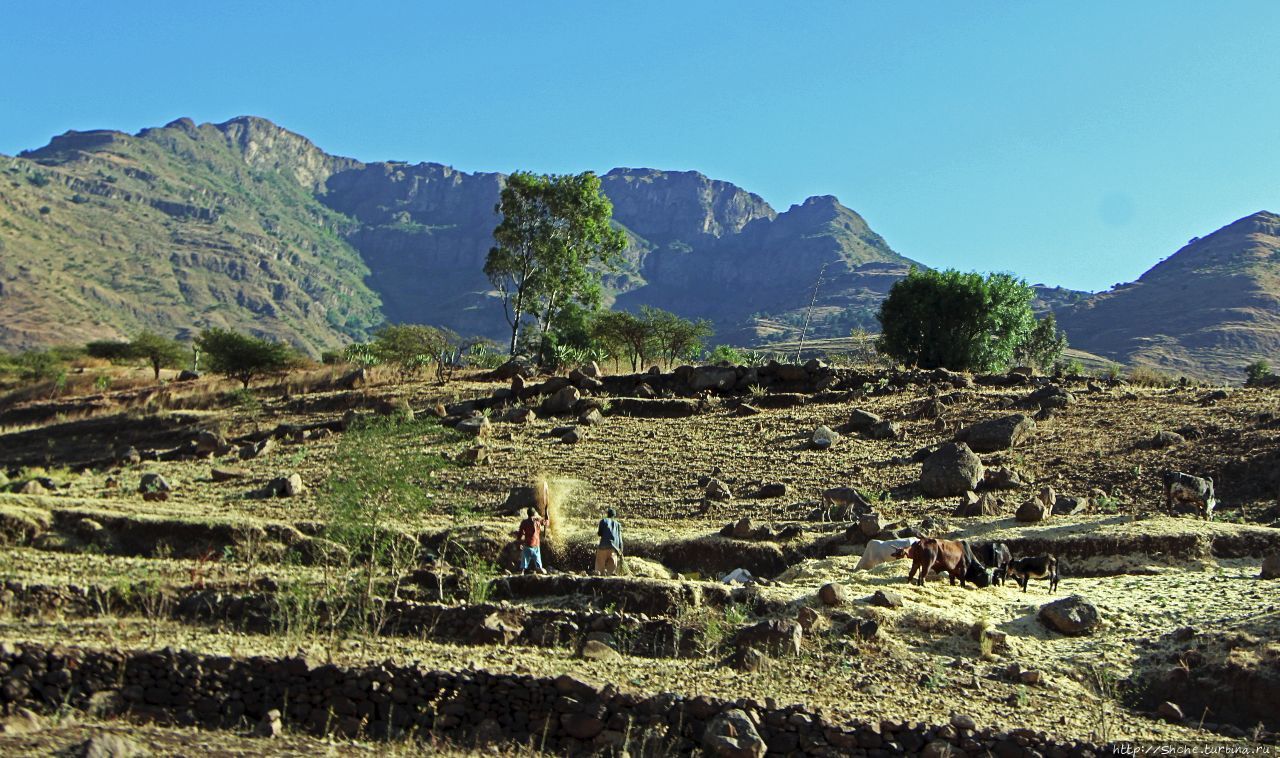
374,607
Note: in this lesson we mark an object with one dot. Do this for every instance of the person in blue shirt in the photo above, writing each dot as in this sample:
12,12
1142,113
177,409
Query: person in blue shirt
609,551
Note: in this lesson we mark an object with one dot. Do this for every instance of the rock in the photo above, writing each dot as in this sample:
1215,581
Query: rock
732,735
885,430
209,443
130,457
744,529
33,487
584,382
591,417
834,595
713,377
497,629
187,375
1030,676
750,660
1163,439
746,409
572,436
771,490
476,426
1071,615
717,490
939,749
397,408
870,524
644,391
562,401
1170,712
592,369
153,482
997,434
21,721
110,746
1271,567
886,599
1069,506
227,474
973,504
476,455
270,725
595,650
155,497
863,421
824,438
776,636
256,449
953,470
517,366
581,726
1031,512
963,721
293,485
1002,478
520,415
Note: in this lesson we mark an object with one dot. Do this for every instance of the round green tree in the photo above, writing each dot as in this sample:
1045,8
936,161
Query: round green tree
954,320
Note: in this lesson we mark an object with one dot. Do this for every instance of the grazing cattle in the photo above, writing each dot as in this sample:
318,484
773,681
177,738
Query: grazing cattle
1035,567
994,556
1188,490
938,555
883,551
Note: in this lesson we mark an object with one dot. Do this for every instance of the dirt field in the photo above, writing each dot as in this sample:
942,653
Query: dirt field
397,524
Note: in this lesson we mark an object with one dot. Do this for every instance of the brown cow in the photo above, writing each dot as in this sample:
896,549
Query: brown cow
937,555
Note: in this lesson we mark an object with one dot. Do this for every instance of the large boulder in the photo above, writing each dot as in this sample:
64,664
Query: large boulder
562,401
1071,615
775,636
713,377
732,735
953,470
824,438
997,434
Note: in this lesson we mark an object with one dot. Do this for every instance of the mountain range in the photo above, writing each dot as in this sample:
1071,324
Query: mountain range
247,225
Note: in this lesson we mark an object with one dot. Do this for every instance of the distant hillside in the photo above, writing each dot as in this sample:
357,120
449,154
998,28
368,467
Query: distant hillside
1206,311
103,233
247,225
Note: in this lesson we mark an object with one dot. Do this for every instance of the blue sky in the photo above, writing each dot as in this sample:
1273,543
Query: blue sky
1072,143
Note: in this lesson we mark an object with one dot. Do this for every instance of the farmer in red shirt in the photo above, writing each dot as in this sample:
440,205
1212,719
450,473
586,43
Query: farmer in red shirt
530,538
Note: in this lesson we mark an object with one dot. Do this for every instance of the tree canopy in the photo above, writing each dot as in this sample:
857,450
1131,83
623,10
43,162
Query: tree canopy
960,321
554,235
243,357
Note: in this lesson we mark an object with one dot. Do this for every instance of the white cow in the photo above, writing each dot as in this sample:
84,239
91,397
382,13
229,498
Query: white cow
882,551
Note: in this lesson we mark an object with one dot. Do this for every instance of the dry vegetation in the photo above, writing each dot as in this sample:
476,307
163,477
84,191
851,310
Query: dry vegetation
92,562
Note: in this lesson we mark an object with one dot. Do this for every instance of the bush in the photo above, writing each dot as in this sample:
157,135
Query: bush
963,322
412,347
242,357
1257,372
727,354
1145,376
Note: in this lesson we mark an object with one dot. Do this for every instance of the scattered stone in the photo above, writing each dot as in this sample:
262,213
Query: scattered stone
939,749
1271,567
476,455
1071,615
746,409
953,470
270,725
997,434
33,487
517,366
227,474
771,490
1002,478
1170,711
871,524
256,449
1037,508
972,504
130,457
732,735
713,377
209,443
1163,439
572,436
777,636
595,650
749,659
187,375
155,497
717,490
21,721
885,430
1070,506
1031,676
497,629
520,415
824,438
476,426
562,401
963,721
834,595
110,746
886,599
744,529
153,482
591,417
863,421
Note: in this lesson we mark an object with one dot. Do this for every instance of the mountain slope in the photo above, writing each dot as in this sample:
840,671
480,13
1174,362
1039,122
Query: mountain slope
174,229
1206,311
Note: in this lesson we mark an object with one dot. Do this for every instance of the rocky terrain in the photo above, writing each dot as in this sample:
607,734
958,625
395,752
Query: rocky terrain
179,557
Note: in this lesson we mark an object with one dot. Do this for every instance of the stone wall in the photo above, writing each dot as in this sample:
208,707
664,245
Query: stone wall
566,714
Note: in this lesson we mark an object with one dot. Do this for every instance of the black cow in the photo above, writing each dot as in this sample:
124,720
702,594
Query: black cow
995,556
1035,567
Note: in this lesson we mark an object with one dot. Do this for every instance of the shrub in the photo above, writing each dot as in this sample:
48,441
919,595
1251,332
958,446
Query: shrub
242,357
411,347
1257,372
1145,376
948,319
727,354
